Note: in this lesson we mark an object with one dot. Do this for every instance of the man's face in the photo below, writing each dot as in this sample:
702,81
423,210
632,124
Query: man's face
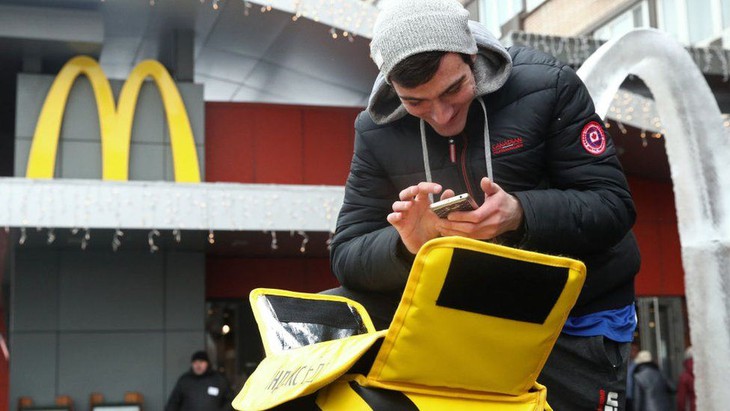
199,367
443,102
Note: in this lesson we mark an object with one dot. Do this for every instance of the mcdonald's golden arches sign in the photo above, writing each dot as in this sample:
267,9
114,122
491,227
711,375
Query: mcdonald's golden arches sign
115,121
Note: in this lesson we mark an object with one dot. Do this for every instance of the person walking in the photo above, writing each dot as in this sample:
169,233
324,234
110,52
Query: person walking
201,388
686,399
652,392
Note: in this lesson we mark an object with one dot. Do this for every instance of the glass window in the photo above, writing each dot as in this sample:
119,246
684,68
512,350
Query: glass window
625,22
494,13
669,17
641,16
488,16
516,8
699,20
503,13
726,13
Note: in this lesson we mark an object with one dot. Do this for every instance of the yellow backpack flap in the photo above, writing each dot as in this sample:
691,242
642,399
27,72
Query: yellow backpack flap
310,340
476,317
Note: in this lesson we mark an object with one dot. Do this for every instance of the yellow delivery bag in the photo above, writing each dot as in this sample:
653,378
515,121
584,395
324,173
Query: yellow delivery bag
473,330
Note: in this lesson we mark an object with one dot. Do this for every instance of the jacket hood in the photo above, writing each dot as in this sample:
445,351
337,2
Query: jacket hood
491,70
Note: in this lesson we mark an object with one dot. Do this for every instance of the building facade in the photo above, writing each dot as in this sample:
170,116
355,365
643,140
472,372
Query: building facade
271,95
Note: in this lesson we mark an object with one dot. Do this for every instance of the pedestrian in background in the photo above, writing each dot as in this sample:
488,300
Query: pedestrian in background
201,388
652,392
686,399
630,377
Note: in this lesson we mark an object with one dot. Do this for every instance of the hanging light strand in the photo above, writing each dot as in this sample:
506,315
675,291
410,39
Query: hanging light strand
85,239
23,236
274,241
117,239
151,240
305,241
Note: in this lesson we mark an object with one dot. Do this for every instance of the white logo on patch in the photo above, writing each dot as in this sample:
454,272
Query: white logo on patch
213,391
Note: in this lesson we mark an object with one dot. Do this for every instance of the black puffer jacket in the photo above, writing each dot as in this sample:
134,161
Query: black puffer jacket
575,203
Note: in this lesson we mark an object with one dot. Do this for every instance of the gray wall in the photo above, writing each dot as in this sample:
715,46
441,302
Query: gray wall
79,150
94,321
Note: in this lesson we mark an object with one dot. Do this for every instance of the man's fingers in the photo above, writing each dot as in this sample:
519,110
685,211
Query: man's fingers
448,193
429,187
471,217
466,230
402,205
421,190
489,187
457,228
394,218
407,193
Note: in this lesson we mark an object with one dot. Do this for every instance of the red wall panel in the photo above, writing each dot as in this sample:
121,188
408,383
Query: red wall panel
656,231
649,279
672,270
229,154
278,144
236,277
328,145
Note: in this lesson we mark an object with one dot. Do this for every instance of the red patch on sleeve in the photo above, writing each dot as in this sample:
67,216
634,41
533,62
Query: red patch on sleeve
593,138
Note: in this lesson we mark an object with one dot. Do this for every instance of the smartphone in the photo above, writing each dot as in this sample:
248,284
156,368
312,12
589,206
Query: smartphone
461,202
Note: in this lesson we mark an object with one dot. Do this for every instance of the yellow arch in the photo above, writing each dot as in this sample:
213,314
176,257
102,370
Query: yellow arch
185,158
115,123
42,159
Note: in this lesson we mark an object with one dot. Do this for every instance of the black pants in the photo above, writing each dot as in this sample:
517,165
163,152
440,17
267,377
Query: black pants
586,373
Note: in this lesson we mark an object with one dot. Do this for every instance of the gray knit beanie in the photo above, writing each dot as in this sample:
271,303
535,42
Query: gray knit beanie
408,27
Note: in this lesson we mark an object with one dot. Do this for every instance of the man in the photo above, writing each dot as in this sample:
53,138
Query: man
652,392
686,397
452,112
201,388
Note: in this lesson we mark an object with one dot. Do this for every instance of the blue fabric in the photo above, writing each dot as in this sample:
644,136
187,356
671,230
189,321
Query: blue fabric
618,324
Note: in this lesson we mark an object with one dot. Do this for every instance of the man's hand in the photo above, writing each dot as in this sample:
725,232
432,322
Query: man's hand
413,219
500,213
